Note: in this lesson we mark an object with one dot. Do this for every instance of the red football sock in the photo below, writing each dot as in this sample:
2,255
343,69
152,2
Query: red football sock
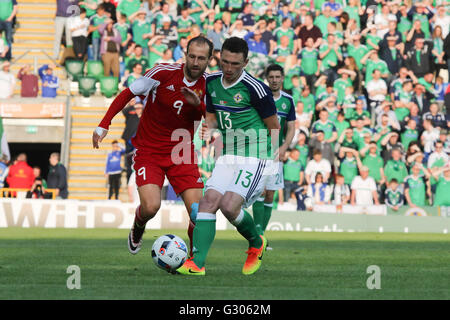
140,222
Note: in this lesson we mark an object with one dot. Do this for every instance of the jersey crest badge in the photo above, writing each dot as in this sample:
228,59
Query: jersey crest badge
237,97
283,106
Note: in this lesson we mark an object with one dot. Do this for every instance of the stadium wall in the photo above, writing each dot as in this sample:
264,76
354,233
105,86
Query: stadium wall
114,214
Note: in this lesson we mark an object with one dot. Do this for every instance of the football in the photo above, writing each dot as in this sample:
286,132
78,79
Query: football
169,252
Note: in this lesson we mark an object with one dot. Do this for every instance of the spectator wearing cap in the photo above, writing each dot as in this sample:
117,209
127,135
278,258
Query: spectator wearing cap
169,32
50,82
391,54
7,81
141,29
364,189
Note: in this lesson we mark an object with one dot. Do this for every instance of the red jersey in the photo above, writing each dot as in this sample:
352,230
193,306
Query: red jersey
20,176
166,109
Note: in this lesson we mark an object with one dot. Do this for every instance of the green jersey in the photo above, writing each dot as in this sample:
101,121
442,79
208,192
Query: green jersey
240,110
128,7
322,22
442,192
403,26
358,135
378,65
328,128
357,52
89,12
417,189
374,39
123,30
286,112
331,59
140,28
309,103
341,126
393,197
206,164
395,169
340,85
309,58
184,24
153,57
290,33
374,163
304,151
292,169
97,20
349,169
408,136
143,60
424,23
6,8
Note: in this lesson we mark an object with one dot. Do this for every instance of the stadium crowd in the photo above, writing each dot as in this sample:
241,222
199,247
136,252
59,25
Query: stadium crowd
369,80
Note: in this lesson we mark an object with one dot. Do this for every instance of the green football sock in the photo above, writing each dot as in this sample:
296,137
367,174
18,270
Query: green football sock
259,215
204,233
246,227
267,214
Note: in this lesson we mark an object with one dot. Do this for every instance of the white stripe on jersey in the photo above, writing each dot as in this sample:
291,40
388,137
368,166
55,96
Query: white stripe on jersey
257,86
157,68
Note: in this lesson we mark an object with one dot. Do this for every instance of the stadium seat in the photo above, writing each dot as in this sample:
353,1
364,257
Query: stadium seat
109,86
75,69
95,69
86,86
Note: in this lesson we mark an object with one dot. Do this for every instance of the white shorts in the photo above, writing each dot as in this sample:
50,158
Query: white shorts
244,176
276,181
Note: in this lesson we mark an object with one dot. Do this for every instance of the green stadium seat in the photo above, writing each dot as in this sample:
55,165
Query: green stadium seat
95,69
109,86
86,86
75,68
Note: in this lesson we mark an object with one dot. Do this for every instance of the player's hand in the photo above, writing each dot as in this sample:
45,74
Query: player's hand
97,136
204,133
191,97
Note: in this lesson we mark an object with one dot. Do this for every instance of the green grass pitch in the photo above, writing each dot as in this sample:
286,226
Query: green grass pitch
33,265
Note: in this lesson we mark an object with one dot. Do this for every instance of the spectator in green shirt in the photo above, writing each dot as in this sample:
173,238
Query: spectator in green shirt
395,168
293,173
443,186
417,187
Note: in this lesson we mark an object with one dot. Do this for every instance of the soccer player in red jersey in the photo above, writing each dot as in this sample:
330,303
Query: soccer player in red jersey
163,142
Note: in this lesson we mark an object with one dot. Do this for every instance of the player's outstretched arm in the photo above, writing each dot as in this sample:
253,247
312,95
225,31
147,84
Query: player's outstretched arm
116,106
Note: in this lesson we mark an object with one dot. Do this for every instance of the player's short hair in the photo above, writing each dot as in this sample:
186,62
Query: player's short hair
316,152
236,45
339,176
114,142
55,154
201,40
274,67
393,180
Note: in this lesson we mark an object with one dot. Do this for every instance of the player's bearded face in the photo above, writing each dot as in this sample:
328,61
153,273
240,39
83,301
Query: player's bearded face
196,60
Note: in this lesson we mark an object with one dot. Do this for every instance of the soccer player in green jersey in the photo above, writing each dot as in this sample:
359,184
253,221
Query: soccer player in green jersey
262,208
243,110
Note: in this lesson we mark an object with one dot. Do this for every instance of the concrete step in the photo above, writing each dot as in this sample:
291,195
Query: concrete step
32,45
45,15
22,38
40,29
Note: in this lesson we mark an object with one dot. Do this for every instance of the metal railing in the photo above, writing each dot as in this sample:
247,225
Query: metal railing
13,192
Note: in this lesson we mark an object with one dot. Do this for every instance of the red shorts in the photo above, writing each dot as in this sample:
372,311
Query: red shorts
152,168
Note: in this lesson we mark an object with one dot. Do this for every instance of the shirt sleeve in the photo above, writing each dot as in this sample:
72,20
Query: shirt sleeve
291,115
261,98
